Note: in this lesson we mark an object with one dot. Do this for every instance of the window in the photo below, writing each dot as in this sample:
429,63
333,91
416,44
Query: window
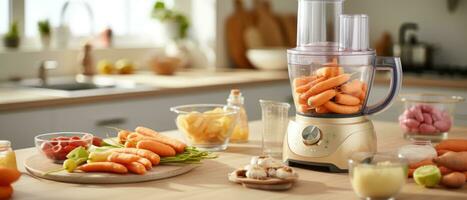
125,17
4,15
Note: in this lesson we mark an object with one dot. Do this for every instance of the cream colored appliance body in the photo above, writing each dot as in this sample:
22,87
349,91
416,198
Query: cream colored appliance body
327,143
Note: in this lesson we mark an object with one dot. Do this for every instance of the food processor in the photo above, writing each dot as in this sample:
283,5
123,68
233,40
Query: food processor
331,72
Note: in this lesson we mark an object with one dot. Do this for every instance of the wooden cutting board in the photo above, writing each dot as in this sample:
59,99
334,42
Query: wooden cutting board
268,25
289,28
38,165
235,27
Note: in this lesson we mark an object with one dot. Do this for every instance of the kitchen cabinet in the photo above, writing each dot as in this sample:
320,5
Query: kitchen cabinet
21,127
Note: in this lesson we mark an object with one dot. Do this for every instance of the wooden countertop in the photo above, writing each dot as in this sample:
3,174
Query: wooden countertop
14,98
209,181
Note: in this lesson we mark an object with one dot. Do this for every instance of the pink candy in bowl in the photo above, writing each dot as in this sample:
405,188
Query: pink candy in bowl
427,116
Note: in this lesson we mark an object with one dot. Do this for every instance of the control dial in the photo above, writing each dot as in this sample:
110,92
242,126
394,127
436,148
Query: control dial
311,135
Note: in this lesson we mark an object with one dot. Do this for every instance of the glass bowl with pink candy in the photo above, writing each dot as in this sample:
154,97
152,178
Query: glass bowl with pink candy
427,116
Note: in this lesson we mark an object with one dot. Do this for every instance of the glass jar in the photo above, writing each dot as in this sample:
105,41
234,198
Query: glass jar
377,175
7,155
240,132
417,151
427,116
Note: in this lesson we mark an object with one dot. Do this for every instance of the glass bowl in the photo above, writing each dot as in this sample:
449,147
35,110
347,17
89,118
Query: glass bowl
427,116
377,175
207,126
55,146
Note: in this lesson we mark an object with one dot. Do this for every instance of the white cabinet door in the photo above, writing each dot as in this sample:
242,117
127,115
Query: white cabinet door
21,127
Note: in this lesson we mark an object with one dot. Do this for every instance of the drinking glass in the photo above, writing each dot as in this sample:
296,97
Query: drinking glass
275,118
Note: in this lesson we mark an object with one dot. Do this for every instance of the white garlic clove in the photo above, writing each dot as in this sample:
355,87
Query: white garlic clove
285,172
256,172
272,172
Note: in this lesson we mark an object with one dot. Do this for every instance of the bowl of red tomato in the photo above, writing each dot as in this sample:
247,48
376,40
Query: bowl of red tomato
56,146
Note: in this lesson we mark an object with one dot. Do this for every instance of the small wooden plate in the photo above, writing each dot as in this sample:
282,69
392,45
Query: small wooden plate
38,165
268,184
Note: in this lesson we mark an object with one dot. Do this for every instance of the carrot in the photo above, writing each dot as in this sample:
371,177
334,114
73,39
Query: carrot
321,98
347,100
303,108
456,161
153,157
328,84
321,110
122,158
341,109
456,145
410,172
104,167
8,175
307,86
441,152
130,144
136,168
453,180
159,148
122,136
363,93
147,164
6,191
421,163
174,143
444,170
353,88
303,80
465,173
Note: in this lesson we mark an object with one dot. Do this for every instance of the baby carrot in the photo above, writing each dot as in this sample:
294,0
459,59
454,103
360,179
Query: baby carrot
321,98
321,110
104,167
159,148
303,80
456,145
346,99
154,158
122,136
136,168
326,85
147,164
174,143
307,86
341,109
123,158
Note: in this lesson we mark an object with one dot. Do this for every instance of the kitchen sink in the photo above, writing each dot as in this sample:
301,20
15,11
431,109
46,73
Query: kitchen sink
82,86
73,86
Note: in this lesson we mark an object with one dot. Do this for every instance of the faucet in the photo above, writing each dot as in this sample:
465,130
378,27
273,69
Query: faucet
85,5
43,68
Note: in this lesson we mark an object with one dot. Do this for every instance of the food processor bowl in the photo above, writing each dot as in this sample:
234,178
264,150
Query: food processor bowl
332,68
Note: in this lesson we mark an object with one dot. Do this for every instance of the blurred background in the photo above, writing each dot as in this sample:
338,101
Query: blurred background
170,52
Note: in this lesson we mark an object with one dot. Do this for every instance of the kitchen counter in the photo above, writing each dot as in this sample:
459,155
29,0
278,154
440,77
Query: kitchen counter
425,81
14,98
209,180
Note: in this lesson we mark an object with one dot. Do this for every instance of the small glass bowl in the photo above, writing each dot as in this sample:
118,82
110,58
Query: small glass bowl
427,116
55,146
377,175
207,126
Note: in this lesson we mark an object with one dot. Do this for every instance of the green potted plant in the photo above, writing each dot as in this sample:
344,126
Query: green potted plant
44,30
11,38
175,23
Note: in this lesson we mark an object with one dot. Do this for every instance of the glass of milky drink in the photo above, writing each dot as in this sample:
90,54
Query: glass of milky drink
377,175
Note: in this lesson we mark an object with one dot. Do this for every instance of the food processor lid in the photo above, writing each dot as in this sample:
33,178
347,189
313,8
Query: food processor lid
323,30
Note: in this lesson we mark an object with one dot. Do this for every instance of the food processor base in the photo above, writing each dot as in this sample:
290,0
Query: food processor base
325,144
